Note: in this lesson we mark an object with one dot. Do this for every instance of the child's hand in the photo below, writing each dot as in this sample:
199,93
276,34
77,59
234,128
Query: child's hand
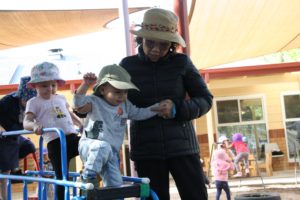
38,128
89,78
226,143
83,109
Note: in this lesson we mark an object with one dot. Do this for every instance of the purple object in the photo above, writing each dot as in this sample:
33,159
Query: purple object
237,137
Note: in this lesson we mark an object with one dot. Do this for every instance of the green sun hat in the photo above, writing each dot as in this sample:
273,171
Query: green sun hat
115,75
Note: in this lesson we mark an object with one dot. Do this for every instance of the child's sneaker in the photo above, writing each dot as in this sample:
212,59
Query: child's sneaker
92,180
239,174
247,171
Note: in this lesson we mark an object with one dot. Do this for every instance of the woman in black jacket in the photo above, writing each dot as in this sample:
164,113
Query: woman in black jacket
162,146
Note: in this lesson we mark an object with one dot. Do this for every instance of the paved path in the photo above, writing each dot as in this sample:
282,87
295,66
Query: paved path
283,183
287,192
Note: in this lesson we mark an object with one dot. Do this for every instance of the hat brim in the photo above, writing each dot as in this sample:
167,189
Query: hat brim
31,84
123,85
117,84
167,36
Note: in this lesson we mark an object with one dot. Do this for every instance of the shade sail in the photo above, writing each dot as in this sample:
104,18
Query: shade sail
223,31
19,28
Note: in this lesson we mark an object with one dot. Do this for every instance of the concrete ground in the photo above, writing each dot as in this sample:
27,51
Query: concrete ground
286,192
283,183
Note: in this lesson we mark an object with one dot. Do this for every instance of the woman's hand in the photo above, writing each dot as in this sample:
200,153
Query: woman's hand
166,109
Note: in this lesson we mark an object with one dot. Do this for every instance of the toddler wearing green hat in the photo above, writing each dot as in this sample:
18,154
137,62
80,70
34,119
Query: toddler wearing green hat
107,112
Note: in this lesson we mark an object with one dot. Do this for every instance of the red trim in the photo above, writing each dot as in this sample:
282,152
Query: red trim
6,89
255,70
70,85
208,74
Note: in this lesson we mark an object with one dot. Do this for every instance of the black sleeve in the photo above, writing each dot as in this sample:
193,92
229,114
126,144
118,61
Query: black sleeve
199,100
206,181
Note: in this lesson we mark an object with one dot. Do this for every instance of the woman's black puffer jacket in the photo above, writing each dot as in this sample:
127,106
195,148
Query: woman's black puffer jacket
173,77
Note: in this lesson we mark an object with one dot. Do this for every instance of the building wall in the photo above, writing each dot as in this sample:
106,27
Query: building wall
270,87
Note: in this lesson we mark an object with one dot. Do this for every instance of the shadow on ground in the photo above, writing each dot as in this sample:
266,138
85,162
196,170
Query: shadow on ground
286,192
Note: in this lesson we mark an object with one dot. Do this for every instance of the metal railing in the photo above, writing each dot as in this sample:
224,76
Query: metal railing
41,181
42,191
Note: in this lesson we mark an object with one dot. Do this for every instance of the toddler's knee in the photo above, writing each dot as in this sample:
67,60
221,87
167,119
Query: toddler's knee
101,146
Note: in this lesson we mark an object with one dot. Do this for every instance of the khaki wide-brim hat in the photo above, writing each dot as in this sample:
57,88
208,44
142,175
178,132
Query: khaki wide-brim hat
160,24
115,75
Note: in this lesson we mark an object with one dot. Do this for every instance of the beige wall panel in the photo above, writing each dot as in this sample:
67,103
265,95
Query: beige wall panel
257,81
68,94
269,86
201,127
230,92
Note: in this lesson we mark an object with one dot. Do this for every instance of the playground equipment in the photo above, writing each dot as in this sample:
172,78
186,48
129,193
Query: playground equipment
215,146
133,186
296,160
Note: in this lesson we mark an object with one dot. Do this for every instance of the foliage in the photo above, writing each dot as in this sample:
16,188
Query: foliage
292,55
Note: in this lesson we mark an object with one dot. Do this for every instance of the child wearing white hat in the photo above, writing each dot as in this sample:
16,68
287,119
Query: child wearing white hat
224,144
49,110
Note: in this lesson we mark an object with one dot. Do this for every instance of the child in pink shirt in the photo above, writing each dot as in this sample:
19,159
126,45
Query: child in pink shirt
242,153
221,165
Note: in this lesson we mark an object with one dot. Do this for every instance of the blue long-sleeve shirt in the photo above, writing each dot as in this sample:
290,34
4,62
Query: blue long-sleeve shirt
107,122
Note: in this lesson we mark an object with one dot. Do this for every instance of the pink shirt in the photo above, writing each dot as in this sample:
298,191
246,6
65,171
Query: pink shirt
221,165
240,146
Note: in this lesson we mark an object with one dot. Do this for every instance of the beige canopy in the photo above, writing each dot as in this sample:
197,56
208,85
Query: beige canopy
221,31
19,28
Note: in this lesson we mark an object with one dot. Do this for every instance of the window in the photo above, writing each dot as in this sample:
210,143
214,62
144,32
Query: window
292,106
244,115
291,103
228,111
